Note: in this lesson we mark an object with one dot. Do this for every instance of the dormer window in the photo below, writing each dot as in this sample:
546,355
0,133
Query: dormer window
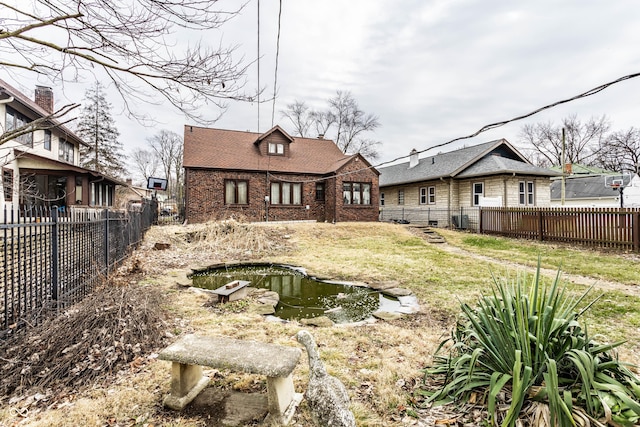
276,148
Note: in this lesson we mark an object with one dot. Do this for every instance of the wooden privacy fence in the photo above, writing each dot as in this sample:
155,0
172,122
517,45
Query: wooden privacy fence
600,227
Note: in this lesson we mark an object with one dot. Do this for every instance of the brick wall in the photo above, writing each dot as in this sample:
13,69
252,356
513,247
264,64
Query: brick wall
356,171
205,196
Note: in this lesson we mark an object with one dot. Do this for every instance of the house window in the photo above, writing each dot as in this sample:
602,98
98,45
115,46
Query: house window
16,120
236,192
286,193
381,199
431,196
356,193
478,191
423,195
320,191
7,184
526,193
275,148
78,190
531,197
47,140
401,197
65,151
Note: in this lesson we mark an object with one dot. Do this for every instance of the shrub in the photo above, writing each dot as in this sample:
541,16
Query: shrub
522,349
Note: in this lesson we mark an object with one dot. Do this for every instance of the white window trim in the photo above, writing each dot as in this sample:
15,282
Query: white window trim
473,193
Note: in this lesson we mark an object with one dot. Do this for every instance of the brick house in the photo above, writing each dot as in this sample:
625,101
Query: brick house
273,177
489,174
41,167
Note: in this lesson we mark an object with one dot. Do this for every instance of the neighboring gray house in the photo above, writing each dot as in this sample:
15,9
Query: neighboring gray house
596,190
489,174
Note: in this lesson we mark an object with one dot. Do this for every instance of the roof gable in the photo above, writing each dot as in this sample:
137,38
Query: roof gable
274,129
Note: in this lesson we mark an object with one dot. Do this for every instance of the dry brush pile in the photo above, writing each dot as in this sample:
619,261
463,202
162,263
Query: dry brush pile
113,329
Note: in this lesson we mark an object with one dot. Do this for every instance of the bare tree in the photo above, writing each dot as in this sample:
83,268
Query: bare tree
133,43
351,122
621,151
581,145
322,121
343,121
145,163
168,146
298,114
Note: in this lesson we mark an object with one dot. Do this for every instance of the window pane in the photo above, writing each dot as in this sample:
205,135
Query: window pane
356,193
320,191
297,194
432,195
530,193
47,140
381,199
286,193
423,196
275,193
280,148
346,193
272,147
11,123
366,194
230,192
242,192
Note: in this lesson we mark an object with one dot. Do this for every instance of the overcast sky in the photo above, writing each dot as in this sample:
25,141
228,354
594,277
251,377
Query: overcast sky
431,70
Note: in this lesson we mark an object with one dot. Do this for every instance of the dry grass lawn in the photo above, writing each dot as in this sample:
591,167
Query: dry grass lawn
379,363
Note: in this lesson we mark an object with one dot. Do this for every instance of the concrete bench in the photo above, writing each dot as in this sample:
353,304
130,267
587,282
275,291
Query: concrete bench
191,352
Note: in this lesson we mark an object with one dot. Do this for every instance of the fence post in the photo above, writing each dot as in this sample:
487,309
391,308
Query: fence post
106,242
636,231
55,258
540,225
480,220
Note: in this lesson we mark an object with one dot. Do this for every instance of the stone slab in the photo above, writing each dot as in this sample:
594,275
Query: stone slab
247,356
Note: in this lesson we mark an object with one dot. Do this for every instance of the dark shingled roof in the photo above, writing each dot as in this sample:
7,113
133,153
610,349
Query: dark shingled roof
585,187
489,158
236,150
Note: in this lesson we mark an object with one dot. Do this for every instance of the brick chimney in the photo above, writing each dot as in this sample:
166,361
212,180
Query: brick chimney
44,98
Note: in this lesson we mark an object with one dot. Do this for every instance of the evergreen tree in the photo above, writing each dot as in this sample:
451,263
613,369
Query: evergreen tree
97,128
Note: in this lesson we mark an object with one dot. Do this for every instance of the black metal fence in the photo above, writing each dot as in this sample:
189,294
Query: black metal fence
461,218
51,258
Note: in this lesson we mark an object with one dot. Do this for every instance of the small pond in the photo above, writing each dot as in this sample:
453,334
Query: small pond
300,295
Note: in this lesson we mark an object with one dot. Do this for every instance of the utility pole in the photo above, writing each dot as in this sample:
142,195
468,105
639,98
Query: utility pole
564,171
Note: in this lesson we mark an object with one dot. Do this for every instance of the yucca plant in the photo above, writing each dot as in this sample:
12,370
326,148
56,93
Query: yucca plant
521,349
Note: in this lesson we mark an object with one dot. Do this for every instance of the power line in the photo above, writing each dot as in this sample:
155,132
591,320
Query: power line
491,126
275,77
258,103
